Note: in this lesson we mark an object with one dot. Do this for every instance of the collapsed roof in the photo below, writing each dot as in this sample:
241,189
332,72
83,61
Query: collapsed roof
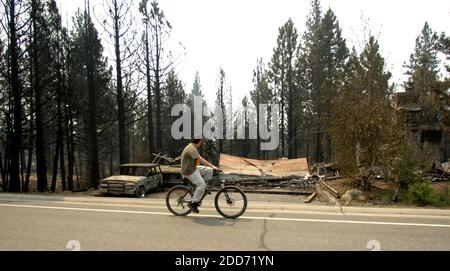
276,168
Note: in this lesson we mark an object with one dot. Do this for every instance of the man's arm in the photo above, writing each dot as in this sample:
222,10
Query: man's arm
204,162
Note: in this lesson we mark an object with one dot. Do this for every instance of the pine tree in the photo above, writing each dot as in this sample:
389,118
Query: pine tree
173,94
88,86
309,73
196,91
333,56
221,101
40,44
282,75
53,35
423,64
322,57
423,74
261,95
442,87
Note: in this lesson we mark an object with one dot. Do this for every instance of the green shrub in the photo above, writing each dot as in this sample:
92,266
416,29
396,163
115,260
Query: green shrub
444,197
407,169
423,194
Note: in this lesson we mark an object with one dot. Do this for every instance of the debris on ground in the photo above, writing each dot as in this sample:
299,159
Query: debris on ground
254,175
311,198
166,160
441,172
263,168
329,171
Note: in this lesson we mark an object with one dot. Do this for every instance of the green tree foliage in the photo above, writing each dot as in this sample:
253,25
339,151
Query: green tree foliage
197,91
321,66
282,73
78,63
442,86
423,65
363,124
406,168
261,94
173,94
423,73
222,119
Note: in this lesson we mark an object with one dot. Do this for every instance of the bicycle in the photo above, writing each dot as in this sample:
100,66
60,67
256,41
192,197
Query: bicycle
230,202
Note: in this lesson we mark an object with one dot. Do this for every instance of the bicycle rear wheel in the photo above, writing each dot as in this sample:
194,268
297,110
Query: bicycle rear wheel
231,202
178,199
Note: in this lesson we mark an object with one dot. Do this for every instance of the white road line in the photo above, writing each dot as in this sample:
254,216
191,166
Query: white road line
244,217
210,207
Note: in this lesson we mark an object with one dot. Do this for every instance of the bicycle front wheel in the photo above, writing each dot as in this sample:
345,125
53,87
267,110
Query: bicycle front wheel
178,199
231,202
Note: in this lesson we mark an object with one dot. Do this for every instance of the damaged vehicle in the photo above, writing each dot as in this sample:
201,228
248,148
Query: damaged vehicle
134,180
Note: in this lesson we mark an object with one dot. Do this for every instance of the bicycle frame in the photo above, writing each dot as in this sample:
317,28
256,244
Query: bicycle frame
227,190
191,188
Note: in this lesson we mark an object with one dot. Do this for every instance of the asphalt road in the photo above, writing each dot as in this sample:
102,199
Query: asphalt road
57,224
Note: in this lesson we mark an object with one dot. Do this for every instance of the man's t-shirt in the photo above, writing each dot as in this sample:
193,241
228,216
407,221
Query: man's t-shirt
188,160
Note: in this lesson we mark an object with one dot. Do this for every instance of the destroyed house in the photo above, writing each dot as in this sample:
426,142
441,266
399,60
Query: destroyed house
262,168
424,126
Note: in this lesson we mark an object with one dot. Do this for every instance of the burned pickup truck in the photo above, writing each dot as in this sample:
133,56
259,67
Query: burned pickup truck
134,180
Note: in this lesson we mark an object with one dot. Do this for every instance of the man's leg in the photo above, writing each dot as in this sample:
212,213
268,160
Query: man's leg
197,180
206,172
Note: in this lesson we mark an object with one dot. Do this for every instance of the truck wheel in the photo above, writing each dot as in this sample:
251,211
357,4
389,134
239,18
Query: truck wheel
141,192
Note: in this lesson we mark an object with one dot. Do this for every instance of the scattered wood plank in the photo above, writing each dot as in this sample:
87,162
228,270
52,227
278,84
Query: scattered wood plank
333,178
330,189
311,198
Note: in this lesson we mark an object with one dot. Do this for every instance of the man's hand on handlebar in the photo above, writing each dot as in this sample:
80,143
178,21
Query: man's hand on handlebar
217,169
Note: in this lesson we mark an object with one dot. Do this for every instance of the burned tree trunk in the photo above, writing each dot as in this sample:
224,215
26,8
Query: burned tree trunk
123,149
59,152
92,148
158,96
55,168
2,171
364,173
41,157
16,134
149,91
26,187
70,144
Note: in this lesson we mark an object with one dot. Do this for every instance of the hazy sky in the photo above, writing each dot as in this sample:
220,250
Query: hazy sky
235,33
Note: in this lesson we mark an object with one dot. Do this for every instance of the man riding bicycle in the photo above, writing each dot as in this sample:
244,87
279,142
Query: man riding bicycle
197,170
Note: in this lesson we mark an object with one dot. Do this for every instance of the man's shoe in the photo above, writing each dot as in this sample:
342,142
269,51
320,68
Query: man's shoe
194,207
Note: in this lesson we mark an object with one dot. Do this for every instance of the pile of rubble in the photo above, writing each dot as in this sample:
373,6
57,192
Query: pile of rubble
255,175
293,183
441,172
